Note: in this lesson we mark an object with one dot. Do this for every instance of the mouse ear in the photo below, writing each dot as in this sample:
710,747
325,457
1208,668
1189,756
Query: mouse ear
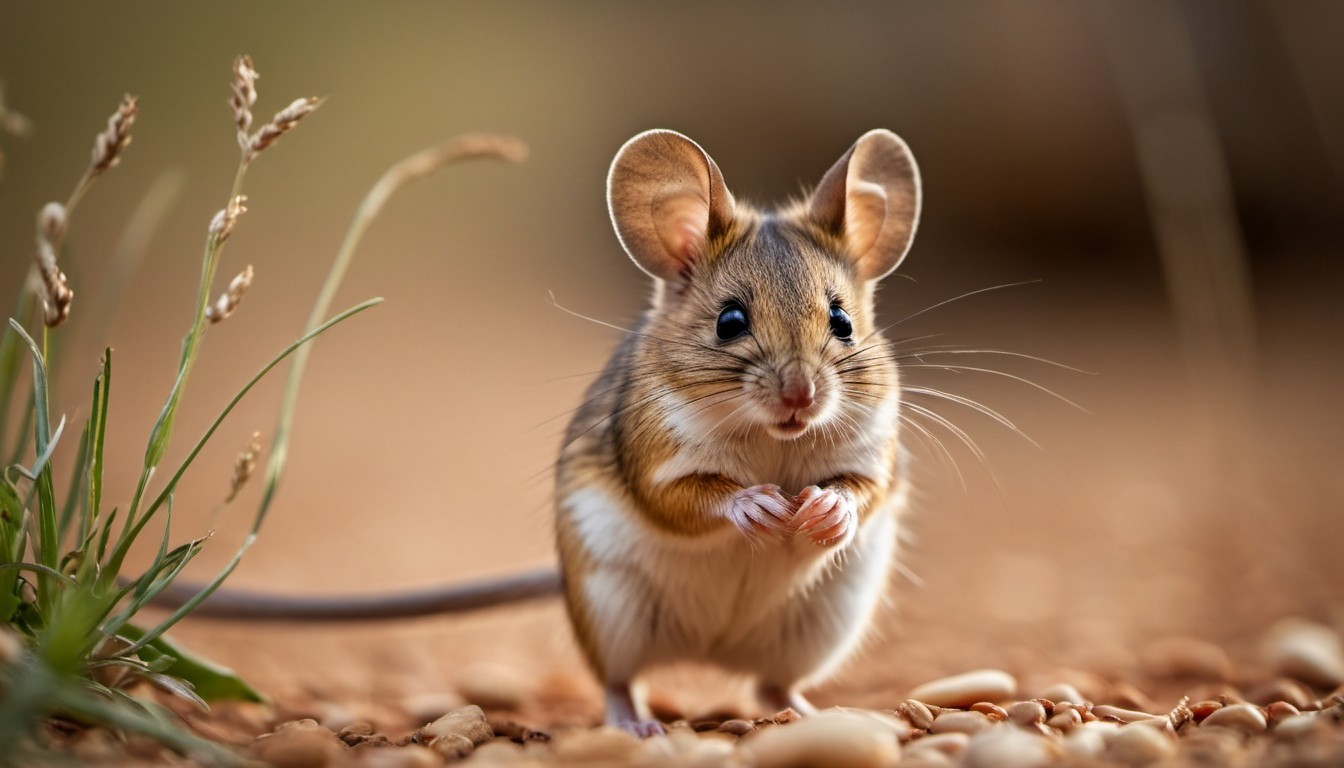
667,199
871,198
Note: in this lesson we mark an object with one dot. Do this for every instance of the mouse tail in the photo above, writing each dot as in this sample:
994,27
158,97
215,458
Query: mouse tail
431,601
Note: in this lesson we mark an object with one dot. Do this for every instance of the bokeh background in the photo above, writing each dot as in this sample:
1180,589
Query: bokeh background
1164,180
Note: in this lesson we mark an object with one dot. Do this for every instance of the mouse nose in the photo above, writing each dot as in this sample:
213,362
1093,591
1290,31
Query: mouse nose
798,390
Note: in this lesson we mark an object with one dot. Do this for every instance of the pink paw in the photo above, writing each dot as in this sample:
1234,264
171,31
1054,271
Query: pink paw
825,516
761,511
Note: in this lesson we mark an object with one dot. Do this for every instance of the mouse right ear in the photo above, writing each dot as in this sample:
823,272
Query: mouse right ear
667,200
871,198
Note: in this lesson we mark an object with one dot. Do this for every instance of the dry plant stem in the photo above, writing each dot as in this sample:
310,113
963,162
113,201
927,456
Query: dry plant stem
420,164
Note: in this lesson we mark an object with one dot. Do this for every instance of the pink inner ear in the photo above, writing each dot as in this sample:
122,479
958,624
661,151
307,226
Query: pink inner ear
683,224
865,212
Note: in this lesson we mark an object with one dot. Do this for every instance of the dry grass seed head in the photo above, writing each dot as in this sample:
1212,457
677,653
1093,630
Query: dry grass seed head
231,298
244,465
108,145
244,96
283,122
221,226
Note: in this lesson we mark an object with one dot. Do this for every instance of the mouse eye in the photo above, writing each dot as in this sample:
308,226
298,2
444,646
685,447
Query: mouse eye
840,324
732,322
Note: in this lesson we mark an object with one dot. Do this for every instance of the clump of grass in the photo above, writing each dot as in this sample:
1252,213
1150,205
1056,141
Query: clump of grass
72,644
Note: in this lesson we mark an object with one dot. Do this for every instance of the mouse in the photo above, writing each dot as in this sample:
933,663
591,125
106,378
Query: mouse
730,490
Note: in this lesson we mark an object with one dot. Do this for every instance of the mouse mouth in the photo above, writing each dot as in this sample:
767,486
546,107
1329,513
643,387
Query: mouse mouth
790,429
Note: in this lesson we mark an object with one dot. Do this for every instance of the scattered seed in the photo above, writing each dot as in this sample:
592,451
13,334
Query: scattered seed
1204,708
1065,719
1026,713
1246,718
959,721
917,712
1108,712
968,688
1089,739
737,727
992,711
1278,712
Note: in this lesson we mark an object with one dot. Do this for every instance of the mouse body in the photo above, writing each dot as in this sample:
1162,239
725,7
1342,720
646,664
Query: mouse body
730,490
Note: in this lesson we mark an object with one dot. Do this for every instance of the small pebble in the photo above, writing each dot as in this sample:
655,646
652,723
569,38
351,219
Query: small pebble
468,721
1140,744
1307,651
1246,718
452,746
493,686
1007,748
966,689
960,721
832,738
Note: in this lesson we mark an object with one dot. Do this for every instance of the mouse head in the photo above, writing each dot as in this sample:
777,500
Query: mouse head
772,310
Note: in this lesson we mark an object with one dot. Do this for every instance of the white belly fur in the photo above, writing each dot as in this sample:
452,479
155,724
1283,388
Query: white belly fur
784,612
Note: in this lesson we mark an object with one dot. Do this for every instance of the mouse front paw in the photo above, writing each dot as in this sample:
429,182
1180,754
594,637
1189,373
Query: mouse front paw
825,516
761,511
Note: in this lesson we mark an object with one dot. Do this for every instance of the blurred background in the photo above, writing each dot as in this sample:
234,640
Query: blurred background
1159,185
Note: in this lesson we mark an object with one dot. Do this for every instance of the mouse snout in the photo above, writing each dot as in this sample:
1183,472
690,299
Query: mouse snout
797,390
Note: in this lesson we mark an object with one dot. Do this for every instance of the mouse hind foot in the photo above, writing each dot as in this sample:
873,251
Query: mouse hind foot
626,710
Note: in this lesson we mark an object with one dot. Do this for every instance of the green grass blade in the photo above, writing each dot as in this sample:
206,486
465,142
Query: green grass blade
48,545
190,605
102,389
212,682
72,494
133,530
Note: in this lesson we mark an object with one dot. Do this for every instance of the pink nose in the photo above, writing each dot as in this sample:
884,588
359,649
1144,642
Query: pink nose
798,392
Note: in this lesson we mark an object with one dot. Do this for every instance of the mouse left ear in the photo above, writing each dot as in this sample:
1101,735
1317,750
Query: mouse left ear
871,199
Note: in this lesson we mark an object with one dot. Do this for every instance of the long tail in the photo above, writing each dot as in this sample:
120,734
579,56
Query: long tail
451,598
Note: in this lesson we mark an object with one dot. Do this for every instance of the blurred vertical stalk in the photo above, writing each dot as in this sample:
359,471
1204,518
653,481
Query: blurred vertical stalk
1191,208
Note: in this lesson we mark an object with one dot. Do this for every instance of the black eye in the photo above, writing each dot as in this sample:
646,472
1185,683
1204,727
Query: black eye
732,322
840,324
